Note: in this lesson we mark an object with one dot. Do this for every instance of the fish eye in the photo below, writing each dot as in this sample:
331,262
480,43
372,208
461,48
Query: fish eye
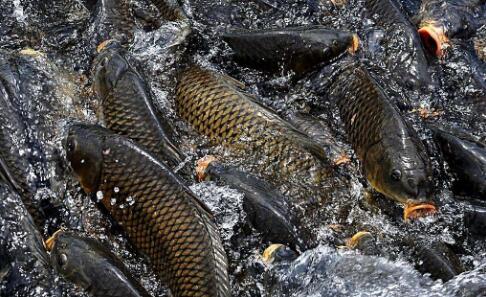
396,175
62,260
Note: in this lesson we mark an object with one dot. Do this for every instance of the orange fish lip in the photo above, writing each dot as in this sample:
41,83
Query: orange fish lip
415,211
102,46
201,166
433,37
49,243
353,241
354,44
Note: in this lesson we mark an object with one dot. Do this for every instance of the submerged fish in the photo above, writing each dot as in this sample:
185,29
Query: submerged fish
300,49
467,159
170,10
393,158
160,215
266,208
24,263
89,264
405,57
113,20
128,107
475,219
15,168
216,106
445,19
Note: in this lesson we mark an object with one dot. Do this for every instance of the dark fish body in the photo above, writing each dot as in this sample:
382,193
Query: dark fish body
24,263
300,49
160,215
128,107
393,158
437,259
217,107
267,209
475,219
170,10
467,159
89,264
113,20
407,58
15,167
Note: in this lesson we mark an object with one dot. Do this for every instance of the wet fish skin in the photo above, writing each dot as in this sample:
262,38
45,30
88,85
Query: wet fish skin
127,105
467,159
160,215
393,158
89,264
437,259
266,208
216,106
113,20
300,49
24,263
475,219
170,10
14,165
412,68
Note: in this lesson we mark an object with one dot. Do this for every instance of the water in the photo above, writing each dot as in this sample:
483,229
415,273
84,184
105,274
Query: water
57,87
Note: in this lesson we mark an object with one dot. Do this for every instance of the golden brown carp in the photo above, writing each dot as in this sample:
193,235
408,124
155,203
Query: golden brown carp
127,105
393,158
170,10
160,215
216,106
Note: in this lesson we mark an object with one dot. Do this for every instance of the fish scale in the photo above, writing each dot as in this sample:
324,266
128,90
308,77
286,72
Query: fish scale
216,107
165,222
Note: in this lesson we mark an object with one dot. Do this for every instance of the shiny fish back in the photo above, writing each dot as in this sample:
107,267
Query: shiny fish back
164,220
170,10
216,106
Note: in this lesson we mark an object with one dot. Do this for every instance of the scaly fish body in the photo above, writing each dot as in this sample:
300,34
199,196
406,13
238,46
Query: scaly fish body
89,264
128,108
160,215
393,157
467,159
217,107
297,48
170,10
406,56
113,20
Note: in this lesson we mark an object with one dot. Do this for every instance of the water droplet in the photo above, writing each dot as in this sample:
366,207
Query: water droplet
130,200
116,189
113,201
82,161
99,196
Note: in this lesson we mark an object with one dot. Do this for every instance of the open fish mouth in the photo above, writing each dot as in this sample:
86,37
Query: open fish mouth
433,38
50,242
201,166
415,211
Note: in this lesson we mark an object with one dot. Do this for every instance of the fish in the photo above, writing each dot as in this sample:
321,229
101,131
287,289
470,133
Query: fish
15,168
113,20
127,105
276,253
442,20
24,263
299,49
217,107
365,242
466,158
266,208
436,258
170,10
160,215
393,158
91,265
405,57
475,219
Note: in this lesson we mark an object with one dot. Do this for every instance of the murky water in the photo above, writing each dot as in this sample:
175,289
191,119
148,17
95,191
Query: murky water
56,84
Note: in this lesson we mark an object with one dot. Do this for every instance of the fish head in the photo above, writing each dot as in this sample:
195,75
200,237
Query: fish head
83,147
71,256
401,176
110,65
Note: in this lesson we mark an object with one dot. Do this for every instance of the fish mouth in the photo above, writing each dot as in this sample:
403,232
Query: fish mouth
354,44
104,45
434,38
269,252
201,166
51,241
354,241
415,211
